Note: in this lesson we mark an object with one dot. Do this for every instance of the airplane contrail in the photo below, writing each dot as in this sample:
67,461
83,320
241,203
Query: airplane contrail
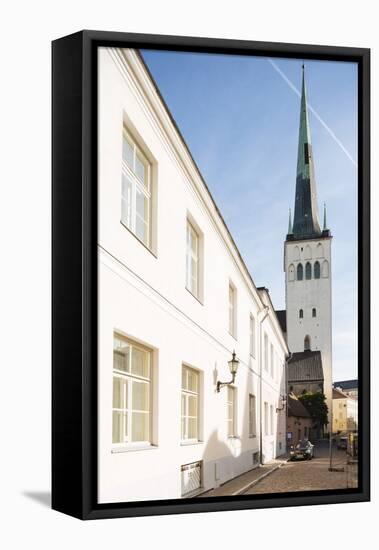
314,112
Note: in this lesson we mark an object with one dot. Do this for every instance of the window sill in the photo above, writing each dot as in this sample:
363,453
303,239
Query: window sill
194,296
138,239
188,443
128,449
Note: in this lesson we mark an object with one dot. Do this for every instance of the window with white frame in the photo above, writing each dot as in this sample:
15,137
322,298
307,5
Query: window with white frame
266,351
271,420
252,335
272,360
252,416
192,260
190,404
266,417
131,416
232,310
136,190
231,411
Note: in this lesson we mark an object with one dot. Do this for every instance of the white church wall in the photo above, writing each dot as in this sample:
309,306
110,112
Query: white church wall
143,297
307,295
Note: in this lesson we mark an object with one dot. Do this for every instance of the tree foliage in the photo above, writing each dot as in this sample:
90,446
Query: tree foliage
315,403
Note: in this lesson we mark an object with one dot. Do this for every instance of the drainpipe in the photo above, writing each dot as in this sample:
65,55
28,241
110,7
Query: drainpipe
265,310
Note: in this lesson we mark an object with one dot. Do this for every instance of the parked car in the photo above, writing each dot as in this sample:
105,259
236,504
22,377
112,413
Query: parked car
303,450
342,443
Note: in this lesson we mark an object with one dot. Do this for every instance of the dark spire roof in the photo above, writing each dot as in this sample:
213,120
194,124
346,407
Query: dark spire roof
305,222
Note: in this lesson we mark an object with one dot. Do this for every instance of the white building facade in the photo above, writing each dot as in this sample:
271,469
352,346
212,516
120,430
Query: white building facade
345,412
175,300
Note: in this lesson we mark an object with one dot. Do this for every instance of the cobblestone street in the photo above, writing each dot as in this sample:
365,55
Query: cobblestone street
310,474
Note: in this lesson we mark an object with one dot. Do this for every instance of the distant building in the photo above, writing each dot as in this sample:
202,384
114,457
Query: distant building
299,422
345,412
305,373
350,387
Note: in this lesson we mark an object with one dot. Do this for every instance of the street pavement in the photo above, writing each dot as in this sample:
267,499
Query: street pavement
310,474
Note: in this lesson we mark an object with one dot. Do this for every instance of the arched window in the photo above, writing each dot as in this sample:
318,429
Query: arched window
325,268
301,314
308,252
314,312
317,270
319,251
296,253
307,343
300,272
291,273
308,271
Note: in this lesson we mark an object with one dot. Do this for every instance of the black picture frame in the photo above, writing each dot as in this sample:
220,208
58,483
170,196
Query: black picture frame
74,273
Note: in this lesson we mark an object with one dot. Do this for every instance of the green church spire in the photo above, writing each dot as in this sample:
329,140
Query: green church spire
305,222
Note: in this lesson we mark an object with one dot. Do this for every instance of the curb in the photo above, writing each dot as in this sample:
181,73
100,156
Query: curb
252,483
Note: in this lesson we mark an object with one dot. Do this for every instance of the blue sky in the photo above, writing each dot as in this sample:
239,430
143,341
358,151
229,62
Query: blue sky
240,119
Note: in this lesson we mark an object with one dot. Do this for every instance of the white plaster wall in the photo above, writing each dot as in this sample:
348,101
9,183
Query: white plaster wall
307,294
143,296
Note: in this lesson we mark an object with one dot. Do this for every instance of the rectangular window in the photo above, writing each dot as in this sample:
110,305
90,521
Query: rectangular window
266,351
252,416
232,310
190,404
231,411
252,336
272,360
136,190
266,417
271,420
192,260
131,392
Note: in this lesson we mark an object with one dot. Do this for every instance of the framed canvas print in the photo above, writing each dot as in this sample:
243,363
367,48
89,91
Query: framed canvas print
210,275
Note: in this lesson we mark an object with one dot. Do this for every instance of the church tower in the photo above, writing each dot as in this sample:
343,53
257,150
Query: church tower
307,263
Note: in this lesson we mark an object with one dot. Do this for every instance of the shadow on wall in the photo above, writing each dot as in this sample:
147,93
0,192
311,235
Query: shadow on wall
227,457
281,415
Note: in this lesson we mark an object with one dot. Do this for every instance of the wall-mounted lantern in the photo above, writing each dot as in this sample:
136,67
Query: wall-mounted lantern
282,403
233,367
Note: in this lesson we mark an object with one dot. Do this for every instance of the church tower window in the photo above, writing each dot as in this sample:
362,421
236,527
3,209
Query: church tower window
319,251
301,313
325,268
307,343
300,272
308,271
306,153
317,270
314,313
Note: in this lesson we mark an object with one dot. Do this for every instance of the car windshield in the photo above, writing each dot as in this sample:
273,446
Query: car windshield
302,445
